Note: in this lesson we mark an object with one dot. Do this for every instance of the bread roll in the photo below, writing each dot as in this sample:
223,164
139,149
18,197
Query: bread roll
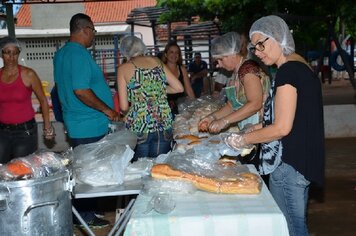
189,137
247,151
192,138
227,161
194,142
245,183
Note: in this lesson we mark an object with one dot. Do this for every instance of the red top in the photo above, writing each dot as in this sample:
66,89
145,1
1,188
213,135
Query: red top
15,101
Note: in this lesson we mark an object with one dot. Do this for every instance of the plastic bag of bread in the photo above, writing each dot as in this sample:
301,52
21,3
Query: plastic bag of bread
208,176
37,165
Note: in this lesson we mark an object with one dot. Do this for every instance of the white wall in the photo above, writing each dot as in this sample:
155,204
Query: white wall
47,16
145,33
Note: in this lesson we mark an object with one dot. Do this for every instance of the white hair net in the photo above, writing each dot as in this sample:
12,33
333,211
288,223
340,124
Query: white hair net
227,44
275,28
7,41
132,46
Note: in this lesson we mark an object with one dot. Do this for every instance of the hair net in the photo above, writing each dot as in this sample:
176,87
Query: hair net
276,28
132,46
227,44
9,41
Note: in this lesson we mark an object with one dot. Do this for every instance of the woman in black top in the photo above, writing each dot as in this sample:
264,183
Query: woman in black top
292,132
172,57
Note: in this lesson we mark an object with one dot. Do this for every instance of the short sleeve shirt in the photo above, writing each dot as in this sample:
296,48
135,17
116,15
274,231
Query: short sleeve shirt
193,67
74,68
303,147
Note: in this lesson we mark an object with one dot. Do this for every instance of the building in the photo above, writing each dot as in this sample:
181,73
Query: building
43,28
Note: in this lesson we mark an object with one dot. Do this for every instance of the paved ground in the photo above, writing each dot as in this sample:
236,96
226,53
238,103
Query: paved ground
338,92
332,211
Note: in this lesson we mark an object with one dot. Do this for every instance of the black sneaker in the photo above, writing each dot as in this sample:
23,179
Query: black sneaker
98,223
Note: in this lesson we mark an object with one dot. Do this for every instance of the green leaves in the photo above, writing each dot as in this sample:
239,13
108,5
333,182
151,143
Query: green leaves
306,18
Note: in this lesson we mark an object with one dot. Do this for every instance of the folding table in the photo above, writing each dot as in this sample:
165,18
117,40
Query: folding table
88,191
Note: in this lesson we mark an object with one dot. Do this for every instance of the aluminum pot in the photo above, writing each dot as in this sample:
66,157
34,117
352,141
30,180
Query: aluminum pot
36,207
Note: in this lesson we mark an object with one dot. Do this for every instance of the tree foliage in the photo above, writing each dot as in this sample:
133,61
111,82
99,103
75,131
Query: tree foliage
308,19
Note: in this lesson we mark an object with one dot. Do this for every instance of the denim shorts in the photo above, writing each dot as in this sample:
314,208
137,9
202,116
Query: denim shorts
153,144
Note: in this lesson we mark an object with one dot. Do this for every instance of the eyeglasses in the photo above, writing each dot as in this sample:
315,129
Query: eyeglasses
259,46
11,53
92,29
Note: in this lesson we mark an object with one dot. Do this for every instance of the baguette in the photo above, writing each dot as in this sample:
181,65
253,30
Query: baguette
245,183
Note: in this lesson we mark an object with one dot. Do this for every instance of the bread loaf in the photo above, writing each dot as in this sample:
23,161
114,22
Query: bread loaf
245,183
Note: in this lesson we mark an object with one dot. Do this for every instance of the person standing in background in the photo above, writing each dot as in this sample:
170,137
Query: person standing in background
292,131
84,94
18,127
144,82
172,57
198,71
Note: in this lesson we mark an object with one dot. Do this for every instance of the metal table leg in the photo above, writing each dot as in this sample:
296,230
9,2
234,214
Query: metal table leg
91,233
123,218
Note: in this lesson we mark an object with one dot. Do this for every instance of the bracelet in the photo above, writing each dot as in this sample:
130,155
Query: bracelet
212,115
226,121
49,131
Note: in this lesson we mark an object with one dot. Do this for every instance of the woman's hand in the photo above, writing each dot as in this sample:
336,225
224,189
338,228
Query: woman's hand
217,125
205,122
49,133
235,141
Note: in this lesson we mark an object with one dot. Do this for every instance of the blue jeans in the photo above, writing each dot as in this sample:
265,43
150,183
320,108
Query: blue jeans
18,142
289,189
197,87
153,144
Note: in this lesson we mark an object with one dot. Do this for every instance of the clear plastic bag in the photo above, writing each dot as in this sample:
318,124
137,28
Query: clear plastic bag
124,137
138,169
37,165
208,175
103,162
203,165
154,186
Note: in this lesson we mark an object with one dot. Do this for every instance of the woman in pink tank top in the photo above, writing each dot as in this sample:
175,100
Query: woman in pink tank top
18,128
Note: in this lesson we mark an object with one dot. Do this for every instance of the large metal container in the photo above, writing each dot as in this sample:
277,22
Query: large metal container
36,207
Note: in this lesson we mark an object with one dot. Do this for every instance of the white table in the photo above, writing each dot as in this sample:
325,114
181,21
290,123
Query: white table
88,191
204,213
